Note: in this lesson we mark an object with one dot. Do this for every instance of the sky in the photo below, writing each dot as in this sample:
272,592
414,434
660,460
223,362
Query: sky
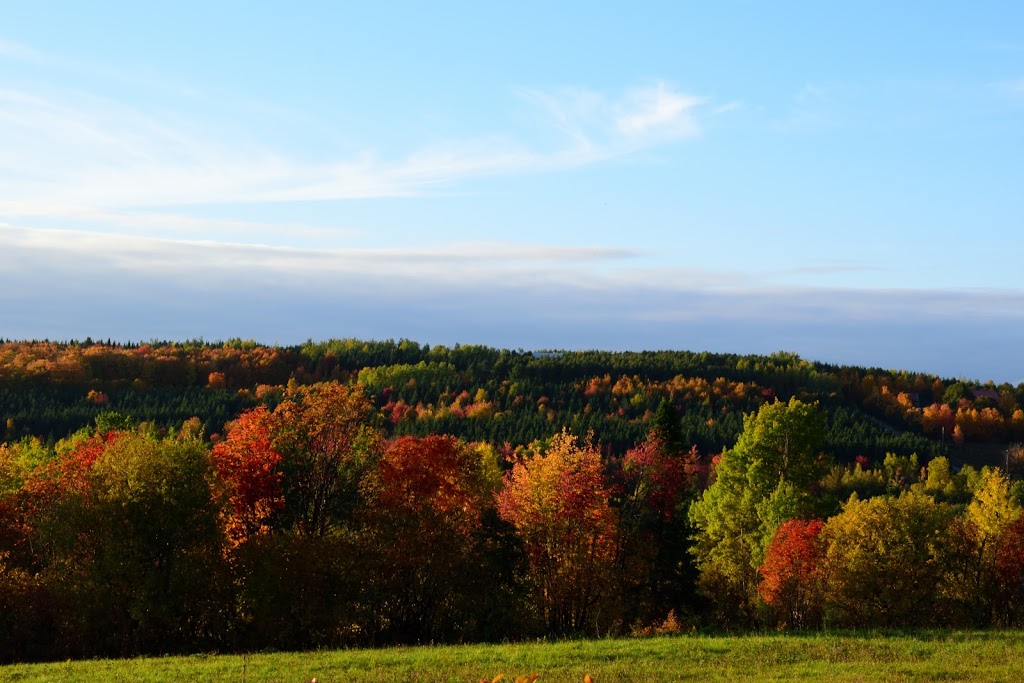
843,180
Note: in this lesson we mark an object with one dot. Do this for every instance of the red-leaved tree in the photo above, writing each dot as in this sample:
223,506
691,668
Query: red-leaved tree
1009,569
791,574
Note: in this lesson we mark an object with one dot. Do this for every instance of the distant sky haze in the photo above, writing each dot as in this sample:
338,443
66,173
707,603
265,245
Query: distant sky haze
843,180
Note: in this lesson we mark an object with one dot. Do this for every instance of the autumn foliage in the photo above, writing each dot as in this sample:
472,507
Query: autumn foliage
358,493
558,501
249,466
438,475
792,574
660,477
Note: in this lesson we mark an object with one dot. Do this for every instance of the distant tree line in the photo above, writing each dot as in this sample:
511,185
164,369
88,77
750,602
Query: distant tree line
50,389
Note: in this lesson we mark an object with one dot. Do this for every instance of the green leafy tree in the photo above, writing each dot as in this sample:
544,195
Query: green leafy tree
901,471
133,545
955,392
761,482
939,481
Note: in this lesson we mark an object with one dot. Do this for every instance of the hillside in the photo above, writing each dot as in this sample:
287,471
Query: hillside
478,393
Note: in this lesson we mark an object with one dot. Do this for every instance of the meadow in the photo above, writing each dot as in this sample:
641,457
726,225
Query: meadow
876,656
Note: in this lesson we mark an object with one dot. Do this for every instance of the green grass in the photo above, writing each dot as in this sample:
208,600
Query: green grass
924,656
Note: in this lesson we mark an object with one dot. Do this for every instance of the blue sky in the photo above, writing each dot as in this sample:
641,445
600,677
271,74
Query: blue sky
843,180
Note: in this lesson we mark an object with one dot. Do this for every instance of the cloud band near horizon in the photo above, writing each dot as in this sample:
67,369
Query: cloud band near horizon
66,285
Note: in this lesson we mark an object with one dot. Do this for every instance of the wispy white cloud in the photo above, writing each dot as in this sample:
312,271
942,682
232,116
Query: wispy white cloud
76,154
23,249
83,150
600,127
658,109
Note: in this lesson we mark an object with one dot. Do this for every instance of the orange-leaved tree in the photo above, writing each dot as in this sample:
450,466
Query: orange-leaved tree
249,466
328,441
558,501
426,504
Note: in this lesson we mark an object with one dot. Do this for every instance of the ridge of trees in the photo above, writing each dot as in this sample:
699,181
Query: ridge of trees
50,389
165,497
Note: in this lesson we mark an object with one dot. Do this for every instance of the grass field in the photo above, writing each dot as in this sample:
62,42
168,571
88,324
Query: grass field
927,656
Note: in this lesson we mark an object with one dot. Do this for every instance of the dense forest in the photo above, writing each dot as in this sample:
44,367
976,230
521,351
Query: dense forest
50,390
179,497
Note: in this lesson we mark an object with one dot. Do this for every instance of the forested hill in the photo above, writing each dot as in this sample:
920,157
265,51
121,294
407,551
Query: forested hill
209,497
504,397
